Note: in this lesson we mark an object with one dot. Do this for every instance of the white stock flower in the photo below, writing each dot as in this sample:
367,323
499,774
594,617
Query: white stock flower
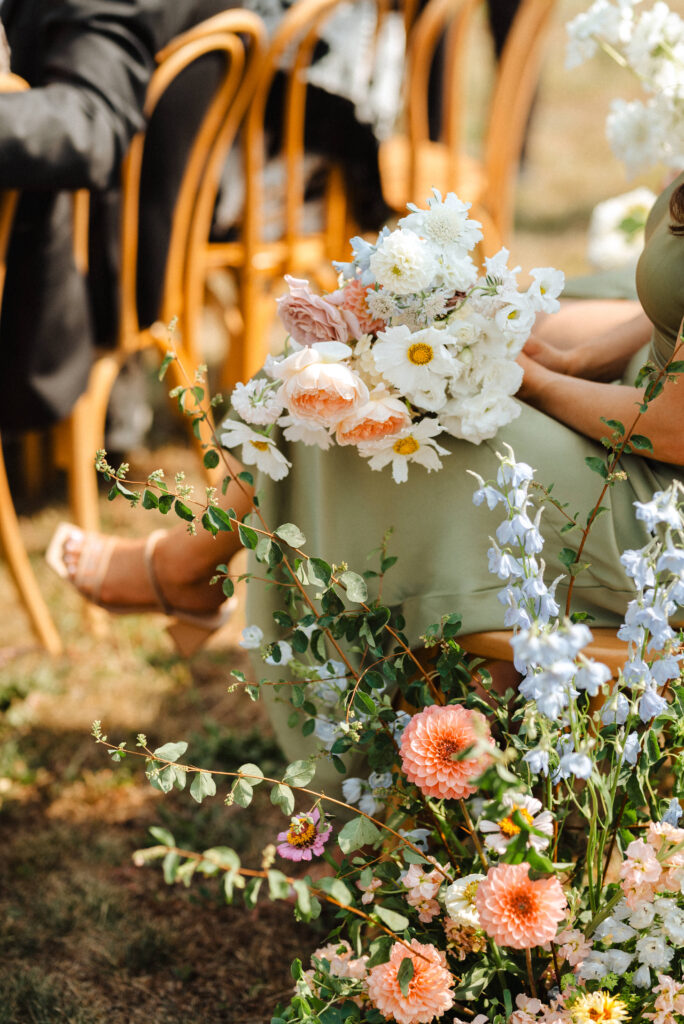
479,417
546,287
414,444
403,263
459,900
305,431
257,449
653,951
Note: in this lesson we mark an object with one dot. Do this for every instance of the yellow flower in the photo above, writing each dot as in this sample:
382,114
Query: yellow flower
599,1008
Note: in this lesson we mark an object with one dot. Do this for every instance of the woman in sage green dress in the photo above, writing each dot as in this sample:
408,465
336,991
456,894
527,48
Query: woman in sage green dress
579,366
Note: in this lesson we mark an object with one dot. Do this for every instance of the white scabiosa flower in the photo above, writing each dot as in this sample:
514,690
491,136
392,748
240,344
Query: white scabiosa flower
445,223
257,402
414,444
257,449
403,263
459,900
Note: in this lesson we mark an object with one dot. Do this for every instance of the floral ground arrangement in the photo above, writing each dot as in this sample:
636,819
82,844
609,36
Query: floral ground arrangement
509,857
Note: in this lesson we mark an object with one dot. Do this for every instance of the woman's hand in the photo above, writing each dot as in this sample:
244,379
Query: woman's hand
556,359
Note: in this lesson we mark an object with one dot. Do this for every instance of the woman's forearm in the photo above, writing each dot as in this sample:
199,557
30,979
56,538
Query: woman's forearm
605,357
581,404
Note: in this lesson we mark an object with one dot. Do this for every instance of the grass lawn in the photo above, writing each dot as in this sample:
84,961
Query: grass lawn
85,936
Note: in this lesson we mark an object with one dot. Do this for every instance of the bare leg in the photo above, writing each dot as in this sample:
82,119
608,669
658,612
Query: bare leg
183,563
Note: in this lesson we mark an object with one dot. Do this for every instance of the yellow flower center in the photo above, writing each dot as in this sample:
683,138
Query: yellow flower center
420,353
509,827
470,892
600,1007
262,446
301,832
406,446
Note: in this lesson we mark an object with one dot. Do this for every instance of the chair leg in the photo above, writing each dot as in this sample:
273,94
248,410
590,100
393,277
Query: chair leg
21,570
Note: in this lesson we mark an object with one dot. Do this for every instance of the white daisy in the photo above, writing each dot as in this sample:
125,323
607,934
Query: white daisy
414,444
410,360
257,449
498,834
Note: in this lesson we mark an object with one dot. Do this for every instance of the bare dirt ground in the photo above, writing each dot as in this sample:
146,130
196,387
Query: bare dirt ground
86,937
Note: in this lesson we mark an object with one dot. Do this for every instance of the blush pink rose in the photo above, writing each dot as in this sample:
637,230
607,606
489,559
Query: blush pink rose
309,318
381,416
319,390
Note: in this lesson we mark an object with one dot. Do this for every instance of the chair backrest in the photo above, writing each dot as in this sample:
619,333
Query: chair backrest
294,48
195,102
451,24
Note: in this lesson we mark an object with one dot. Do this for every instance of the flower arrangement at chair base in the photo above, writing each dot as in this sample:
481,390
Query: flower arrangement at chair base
413,345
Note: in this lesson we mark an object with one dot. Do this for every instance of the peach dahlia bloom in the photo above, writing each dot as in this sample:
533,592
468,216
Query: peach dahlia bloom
429,990
429,742
517,912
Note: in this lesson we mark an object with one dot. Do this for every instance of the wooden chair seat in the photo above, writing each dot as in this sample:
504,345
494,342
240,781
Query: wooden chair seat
496,645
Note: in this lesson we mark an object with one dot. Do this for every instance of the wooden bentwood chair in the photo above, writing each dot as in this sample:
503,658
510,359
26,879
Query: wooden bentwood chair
257,261
10,535
236,38
411,162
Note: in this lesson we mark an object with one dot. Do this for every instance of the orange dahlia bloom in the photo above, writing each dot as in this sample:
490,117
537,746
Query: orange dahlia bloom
429,743
429,990
517,912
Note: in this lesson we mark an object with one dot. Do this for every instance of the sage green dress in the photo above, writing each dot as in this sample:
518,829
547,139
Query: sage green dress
441,539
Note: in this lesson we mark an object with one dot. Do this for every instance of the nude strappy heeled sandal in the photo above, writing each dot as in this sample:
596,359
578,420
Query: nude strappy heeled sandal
188,630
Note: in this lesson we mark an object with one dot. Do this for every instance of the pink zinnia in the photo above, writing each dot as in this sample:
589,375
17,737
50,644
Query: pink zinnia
303,839
517,912
429,743
429,994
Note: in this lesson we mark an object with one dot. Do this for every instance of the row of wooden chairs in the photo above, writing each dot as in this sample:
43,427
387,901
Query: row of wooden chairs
411,163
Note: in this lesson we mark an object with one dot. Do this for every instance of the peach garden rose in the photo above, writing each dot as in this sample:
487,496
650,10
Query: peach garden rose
318,387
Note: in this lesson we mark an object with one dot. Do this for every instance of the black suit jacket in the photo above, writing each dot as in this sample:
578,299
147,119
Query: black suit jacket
88,63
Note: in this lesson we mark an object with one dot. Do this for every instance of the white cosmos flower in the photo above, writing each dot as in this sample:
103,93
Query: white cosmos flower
498,834
403,263
414,444
459,900
257,449
410,360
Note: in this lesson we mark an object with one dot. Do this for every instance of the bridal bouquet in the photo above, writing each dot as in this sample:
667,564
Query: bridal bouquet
412,345
651,45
